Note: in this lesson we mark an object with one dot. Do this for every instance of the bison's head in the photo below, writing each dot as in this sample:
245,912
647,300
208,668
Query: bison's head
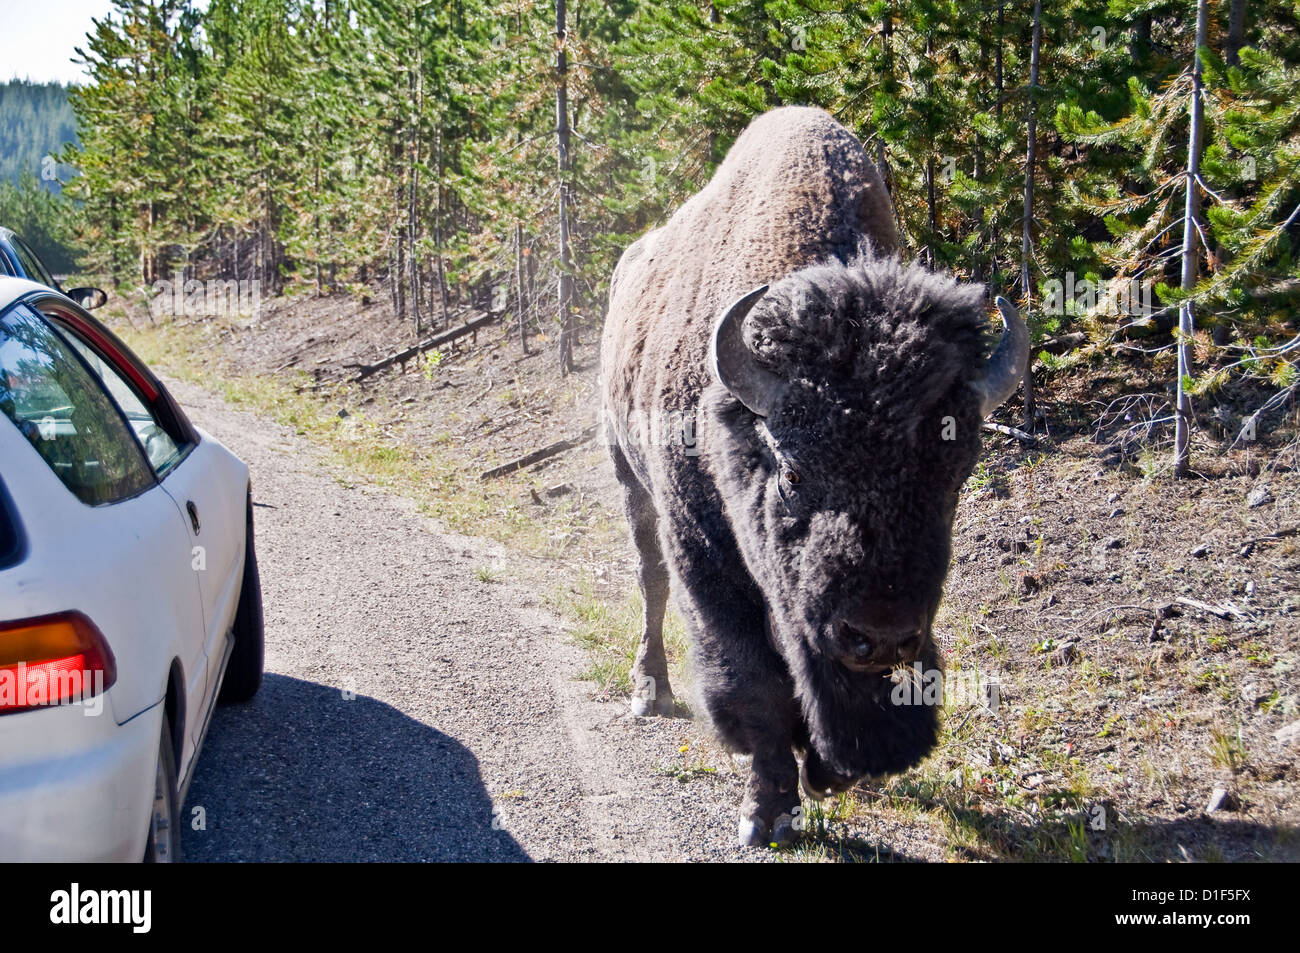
843,422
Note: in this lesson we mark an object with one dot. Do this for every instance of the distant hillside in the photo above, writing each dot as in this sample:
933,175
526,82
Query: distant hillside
35,121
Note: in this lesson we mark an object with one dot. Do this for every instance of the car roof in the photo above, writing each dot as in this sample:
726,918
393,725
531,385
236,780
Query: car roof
11,289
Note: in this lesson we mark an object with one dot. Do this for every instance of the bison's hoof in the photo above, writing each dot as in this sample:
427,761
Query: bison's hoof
784,832
754,832
643,706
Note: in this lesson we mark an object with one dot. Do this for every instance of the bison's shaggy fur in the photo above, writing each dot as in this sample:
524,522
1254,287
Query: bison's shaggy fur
838,504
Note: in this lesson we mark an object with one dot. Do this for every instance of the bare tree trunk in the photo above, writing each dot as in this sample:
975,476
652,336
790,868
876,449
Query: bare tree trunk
1183,413
437,228
530,267
1026,238
398,270
413,193
933,216
521,303
977,172
392,281
1236,32
562,150
1140,45
997,103
315,216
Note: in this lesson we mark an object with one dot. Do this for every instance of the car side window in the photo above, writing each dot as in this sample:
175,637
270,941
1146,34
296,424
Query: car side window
31,262
55,402
158,445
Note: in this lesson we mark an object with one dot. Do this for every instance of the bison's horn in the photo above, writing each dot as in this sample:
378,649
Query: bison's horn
733,364
1006,367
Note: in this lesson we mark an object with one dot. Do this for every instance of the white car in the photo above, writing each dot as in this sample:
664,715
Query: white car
129,592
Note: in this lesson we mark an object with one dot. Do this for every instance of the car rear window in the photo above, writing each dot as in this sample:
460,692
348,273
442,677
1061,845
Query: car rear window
11,539
159,446
62,409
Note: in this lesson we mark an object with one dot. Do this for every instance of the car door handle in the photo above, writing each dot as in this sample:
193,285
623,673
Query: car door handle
194,515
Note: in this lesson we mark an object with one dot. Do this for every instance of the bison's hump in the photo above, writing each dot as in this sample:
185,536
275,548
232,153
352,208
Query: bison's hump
795,189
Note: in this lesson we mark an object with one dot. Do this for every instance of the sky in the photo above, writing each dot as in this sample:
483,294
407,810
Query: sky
37,37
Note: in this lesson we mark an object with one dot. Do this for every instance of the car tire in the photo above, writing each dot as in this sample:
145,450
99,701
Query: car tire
244,671
163,843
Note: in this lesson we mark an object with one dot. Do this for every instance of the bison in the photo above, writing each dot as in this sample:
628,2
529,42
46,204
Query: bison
791,413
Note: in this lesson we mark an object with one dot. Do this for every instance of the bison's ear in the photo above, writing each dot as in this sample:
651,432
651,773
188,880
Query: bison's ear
733,364
1006,368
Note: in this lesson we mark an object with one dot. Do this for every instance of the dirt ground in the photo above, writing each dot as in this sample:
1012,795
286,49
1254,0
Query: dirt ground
1141,634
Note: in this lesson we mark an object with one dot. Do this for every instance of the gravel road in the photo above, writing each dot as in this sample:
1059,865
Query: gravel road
412,711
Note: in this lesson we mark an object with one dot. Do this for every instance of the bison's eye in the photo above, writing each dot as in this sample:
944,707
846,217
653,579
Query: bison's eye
785,489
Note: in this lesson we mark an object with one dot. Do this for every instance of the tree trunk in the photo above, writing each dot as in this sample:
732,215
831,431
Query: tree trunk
1236,32
1026,240
1140,45
413,194
1183,412
398,271
315,215
437,228
562,161
931,198
932,218
977,172
997,103
521,305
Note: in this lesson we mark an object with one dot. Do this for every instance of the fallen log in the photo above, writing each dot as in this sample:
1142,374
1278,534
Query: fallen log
1062,343
1009,431
415,350
1224,610
537,456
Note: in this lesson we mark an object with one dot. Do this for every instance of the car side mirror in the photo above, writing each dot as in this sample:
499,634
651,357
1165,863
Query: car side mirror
88,298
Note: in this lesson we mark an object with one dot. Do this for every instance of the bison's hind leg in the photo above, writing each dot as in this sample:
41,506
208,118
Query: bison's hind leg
651,692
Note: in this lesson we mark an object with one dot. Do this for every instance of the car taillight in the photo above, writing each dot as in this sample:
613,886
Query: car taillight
51,660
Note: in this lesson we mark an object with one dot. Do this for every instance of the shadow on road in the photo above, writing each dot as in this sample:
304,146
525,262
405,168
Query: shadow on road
303,774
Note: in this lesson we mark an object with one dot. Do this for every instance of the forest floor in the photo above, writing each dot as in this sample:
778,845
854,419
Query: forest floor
1141,635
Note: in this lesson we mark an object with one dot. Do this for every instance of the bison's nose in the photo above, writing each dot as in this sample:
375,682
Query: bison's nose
866,647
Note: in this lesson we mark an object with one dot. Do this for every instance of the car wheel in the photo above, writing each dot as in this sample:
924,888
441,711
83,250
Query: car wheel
164,843
244,671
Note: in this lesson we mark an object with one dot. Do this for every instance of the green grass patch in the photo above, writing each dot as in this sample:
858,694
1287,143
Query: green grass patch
611,634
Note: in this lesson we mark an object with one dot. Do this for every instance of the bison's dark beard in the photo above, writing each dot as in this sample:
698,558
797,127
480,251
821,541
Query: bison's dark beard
852,723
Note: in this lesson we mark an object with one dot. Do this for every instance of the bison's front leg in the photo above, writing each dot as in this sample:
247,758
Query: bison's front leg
769,812
747,692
